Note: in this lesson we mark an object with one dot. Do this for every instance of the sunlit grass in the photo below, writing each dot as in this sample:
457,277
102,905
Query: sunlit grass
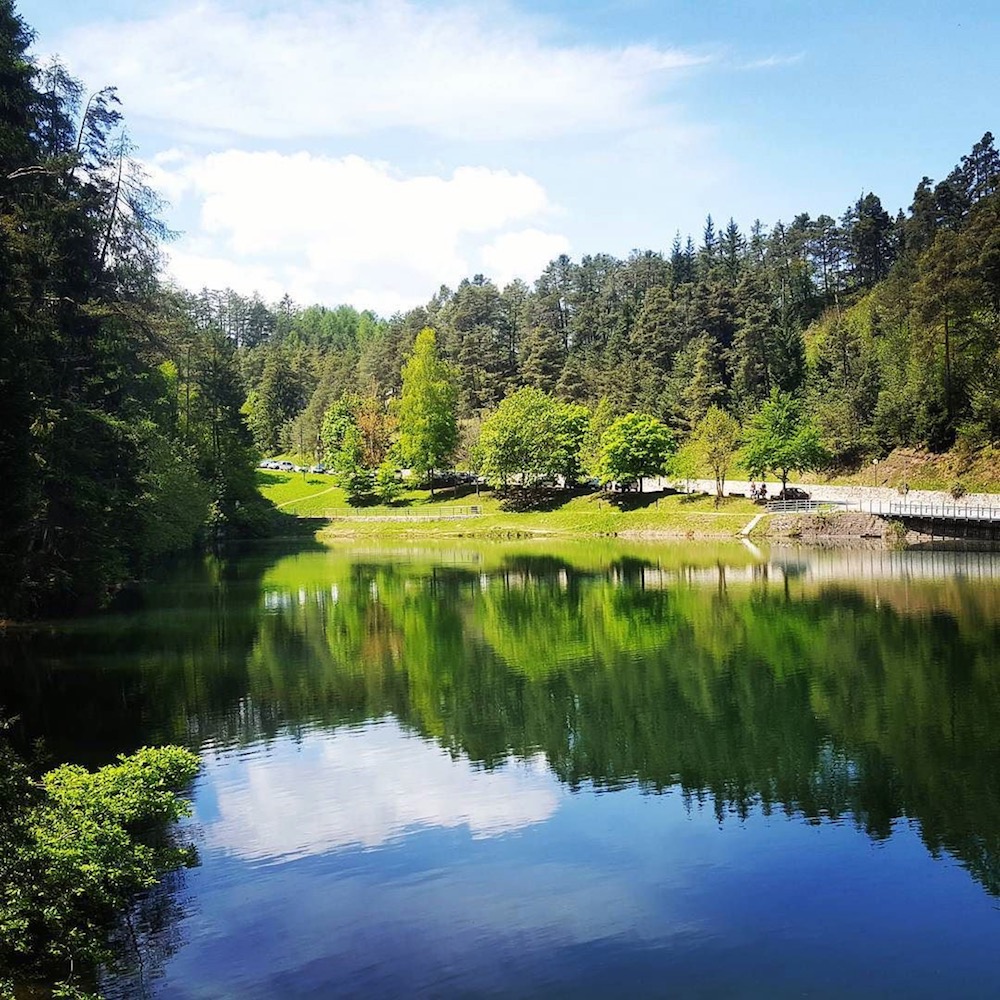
311,495
300,493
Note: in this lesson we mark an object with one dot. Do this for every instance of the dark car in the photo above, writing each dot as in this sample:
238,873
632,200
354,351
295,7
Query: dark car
793,493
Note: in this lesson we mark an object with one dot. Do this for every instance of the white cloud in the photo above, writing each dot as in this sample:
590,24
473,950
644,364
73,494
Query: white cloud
195,271
349,229
346,67
522,254
772,62
364,788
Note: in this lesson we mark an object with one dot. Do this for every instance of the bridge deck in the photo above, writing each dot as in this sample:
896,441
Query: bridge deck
893,508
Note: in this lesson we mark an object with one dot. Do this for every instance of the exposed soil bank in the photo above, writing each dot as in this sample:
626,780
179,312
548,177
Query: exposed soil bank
821,528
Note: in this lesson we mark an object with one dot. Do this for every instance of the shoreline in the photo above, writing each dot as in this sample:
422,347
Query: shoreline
664,516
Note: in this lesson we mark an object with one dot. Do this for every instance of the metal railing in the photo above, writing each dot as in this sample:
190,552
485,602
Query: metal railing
888,508
949,512
804,506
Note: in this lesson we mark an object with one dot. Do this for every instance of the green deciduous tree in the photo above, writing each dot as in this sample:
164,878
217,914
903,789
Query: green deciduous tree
601,419
633,447
532,438
780,439
428,409
718,440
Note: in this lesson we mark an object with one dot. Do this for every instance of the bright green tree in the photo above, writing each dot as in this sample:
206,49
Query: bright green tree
634,446
717,437
388,486
428,409
781,439
532,437
356,480
601,419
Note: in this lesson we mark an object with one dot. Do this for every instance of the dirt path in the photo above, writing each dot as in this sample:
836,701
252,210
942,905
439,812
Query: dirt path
310,496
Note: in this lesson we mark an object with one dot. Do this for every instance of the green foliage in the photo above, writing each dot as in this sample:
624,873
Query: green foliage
355,437
634,446
888,327
428,408
77,848
705,389
532,439
717,438
175,501
686,462
590,448
337,422
781,439
543,358
275,399
356,482
388,485
120,424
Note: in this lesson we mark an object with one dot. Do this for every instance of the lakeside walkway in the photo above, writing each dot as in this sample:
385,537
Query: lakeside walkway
858,497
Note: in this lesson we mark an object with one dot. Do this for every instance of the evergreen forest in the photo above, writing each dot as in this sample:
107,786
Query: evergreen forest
134,412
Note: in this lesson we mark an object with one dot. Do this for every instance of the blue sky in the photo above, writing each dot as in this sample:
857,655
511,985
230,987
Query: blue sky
369,150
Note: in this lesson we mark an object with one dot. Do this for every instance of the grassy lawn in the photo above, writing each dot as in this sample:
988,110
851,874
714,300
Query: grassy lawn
568,515
299,493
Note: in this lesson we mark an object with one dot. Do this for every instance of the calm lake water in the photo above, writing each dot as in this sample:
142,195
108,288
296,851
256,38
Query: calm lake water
584,770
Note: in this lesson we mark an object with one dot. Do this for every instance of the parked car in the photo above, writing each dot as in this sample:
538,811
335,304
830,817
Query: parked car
792,493
286,466
318,468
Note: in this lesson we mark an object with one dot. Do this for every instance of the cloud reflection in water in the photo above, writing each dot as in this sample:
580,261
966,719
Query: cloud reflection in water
361,787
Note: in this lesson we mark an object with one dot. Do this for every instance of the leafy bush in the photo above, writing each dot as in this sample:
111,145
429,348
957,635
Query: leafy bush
77,847
957,491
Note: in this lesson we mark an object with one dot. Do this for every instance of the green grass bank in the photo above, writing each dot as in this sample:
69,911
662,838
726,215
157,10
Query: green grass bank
635,515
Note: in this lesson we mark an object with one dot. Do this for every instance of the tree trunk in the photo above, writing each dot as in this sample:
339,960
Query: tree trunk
947,363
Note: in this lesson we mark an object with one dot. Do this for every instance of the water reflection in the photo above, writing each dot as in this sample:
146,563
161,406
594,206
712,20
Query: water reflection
393,738
363,787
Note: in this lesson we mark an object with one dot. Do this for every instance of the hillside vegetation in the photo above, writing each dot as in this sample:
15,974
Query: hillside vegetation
132,413
884,328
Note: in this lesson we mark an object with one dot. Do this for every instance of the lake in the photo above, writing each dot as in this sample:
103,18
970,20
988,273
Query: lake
534,769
